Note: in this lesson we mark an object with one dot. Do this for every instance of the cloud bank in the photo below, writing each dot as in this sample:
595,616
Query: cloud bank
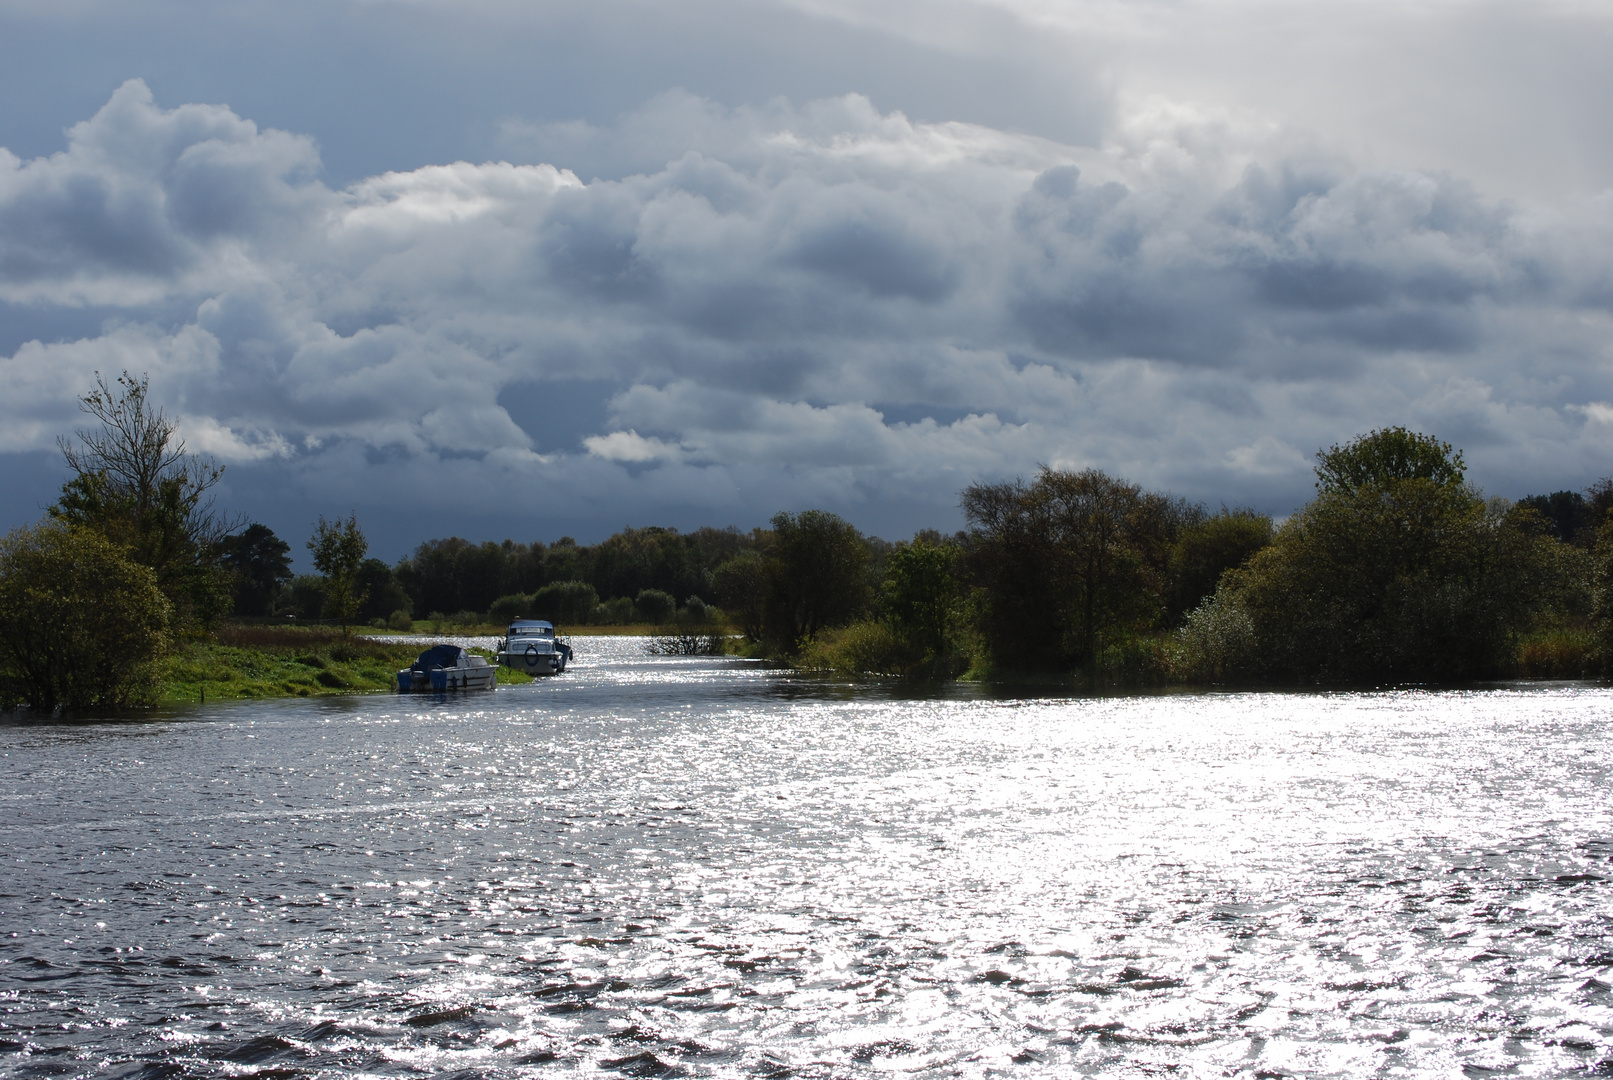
774,307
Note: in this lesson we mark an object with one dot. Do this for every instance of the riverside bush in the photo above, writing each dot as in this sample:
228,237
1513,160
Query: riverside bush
869,646
1132,661
506,609
565,602
81,624
617,612
1562,652
655,606
1216,639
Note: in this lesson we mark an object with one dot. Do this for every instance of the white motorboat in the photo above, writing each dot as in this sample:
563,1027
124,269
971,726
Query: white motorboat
448,667
530,646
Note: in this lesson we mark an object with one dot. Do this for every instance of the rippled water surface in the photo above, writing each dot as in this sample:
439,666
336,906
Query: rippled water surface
655,867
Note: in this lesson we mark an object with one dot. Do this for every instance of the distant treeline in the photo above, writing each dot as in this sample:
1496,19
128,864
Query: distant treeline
1397,571
637,575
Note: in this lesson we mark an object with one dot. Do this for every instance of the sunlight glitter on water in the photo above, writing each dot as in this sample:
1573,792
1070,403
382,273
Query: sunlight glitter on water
657,864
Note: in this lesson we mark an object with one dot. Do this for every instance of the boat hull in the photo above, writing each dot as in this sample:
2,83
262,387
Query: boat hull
533,663
535,655
441,680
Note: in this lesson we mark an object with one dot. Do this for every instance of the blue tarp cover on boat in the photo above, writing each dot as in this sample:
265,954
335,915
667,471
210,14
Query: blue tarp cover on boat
439,656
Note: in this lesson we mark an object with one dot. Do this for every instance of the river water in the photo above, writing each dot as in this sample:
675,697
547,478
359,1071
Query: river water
662,866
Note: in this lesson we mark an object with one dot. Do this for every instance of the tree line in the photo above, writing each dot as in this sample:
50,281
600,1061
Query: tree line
636,575
1398,570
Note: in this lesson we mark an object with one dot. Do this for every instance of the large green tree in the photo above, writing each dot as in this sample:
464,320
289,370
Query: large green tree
260,565
817,576
1397,571
81,623
1381,457
565,602
919,595
740,586
339,548
1068,565
383,596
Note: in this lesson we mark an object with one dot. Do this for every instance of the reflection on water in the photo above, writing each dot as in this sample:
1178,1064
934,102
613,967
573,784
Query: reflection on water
694,866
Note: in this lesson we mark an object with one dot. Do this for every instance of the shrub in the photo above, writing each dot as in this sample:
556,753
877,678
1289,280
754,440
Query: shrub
306,643
869,647
81,624
655,606
565,602
1132,661
687,643
400,620
1216,640
617,612
507,609
1559,653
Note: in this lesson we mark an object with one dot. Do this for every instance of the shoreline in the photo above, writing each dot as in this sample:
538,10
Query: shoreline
258,661
495,630
254,663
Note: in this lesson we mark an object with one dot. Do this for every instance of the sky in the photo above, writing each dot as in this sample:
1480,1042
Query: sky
498,269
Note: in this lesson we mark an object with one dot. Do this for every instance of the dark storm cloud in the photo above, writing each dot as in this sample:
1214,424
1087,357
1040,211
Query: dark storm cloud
705,339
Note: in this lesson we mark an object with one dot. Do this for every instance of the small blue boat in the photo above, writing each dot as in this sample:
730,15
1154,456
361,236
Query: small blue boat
448,667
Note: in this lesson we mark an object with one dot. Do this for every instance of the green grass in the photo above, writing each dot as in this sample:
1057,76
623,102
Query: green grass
428,627
1565,651
276,662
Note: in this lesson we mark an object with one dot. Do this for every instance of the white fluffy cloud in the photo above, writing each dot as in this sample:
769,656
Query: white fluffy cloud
773,307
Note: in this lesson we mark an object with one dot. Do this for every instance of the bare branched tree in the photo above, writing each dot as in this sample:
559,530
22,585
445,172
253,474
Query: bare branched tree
134,481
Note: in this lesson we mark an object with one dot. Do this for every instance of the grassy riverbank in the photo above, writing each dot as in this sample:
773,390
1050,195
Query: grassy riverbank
1554,649
273,661
443,628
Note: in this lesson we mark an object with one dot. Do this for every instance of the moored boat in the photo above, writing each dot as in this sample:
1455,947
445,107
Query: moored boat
531,647
448,667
